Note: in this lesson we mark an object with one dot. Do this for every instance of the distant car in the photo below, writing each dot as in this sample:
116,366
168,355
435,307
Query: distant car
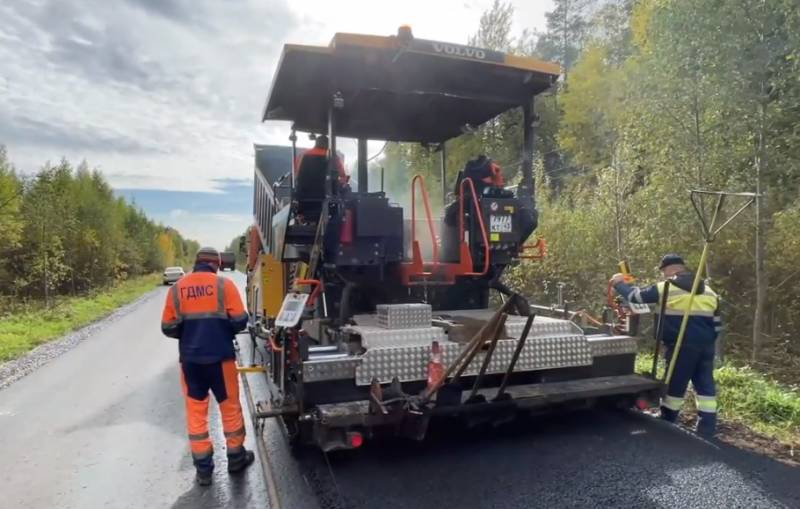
173,274
227,260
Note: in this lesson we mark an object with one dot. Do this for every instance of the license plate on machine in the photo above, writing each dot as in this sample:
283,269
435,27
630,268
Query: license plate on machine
500,223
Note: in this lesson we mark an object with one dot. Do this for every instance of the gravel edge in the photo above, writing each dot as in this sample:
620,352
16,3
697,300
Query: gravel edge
16,369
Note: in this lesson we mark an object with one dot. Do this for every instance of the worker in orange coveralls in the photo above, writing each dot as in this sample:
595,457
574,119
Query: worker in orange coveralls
204,312
316,160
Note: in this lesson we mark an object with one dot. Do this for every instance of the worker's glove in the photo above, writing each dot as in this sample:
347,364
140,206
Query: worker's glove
617,278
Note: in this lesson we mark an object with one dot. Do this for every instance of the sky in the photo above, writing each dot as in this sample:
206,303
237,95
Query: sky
165,96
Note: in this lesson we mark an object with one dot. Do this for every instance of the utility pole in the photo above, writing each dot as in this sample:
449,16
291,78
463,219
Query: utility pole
761,276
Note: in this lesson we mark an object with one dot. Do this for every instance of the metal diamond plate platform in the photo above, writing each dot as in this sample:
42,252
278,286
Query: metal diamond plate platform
542,326
339,369
611,345
410,363
378,337
404,353
404,316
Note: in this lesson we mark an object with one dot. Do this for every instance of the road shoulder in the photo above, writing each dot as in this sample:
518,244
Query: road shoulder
13,370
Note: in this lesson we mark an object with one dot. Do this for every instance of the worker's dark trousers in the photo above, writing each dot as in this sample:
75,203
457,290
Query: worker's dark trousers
696,364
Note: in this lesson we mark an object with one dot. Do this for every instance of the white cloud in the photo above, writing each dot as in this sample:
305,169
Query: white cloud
229,218
138,92
173,90
168,94
216,230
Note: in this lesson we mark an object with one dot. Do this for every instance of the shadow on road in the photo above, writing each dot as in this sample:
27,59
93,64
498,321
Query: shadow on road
226,491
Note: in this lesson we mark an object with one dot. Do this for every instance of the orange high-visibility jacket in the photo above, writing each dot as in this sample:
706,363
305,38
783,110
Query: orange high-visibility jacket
496,176
204,312
322,152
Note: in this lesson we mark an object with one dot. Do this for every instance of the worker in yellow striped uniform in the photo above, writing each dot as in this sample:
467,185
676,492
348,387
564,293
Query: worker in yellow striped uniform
695,360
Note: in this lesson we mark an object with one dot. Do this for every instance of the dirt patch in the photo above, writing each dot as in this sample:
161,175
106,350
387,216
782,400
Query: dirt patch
742,437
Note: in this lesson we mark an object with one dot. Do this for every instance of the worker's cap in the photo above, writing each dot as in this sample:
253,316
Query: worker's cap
207,255
670,259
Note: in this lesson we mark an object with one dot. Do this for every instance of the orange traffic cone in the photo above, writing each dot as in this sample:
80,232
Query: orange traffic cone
435,365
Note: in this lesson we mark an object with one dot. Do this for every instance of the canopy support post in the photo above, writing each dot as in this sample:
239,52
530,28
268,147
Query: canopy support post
363,186
293,139
337,102
526,186
443,150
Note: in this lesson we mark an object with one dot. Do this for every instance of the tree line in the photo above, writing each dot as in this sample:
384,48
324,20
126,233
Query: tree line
64,232
656,97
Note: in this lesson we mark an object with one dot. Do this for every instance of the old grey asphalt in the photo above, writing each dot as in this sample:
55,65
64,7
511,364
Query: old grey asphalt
103,426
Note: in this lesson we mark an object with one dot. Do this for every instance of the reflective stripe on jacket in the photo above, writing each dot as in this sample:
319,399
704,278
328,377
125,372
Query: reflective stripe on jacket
704,318
204,311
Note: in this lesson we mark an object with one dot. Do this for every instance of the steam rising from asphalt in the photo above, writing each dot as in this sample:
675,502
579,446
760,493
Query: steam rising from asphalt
399,193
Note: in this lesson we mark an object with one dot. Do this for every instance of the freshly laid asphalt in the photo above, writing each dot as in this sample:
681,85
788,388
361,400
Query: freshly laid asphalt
590,459
102,425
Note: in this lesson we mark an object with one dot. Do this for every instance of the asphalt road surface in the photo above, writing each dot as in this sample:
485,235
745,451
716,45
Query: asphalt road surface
592,459
103,426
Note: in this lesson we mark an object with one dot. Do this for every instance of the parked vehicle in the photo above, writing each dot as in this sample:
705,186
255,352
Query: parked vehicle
227,261
172,275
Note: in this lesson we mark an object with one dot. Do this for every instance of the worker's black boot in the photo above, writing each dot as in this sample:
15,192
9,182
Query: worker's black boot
204,465
706,424
238,461
669,415
203,477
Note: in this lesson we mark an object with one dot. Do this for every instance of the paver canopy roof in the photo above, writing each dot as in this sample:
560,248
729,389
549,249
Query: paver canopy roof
399,88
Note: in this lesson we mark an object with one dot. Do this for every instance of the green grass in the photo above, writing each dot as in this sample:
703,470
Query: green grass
24,330
751,398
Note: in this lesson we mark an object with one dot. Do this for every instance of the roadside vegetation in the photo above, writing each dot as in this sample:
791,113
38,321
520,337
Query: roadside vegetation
34,324
761,403
71,252
64,232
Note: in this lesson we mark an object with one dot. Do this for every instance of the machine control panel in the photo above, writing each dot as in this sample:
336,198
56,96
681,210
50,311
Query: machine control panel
291,309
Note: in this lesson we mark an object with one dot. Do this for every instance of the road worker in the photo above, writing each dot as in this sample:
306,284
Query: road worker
316,160
310,176
204,312
695,360
485,174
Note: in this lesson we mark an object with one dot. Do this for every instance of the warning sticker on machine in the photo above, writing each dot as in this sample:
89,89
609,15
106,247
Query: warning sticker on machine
499,223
